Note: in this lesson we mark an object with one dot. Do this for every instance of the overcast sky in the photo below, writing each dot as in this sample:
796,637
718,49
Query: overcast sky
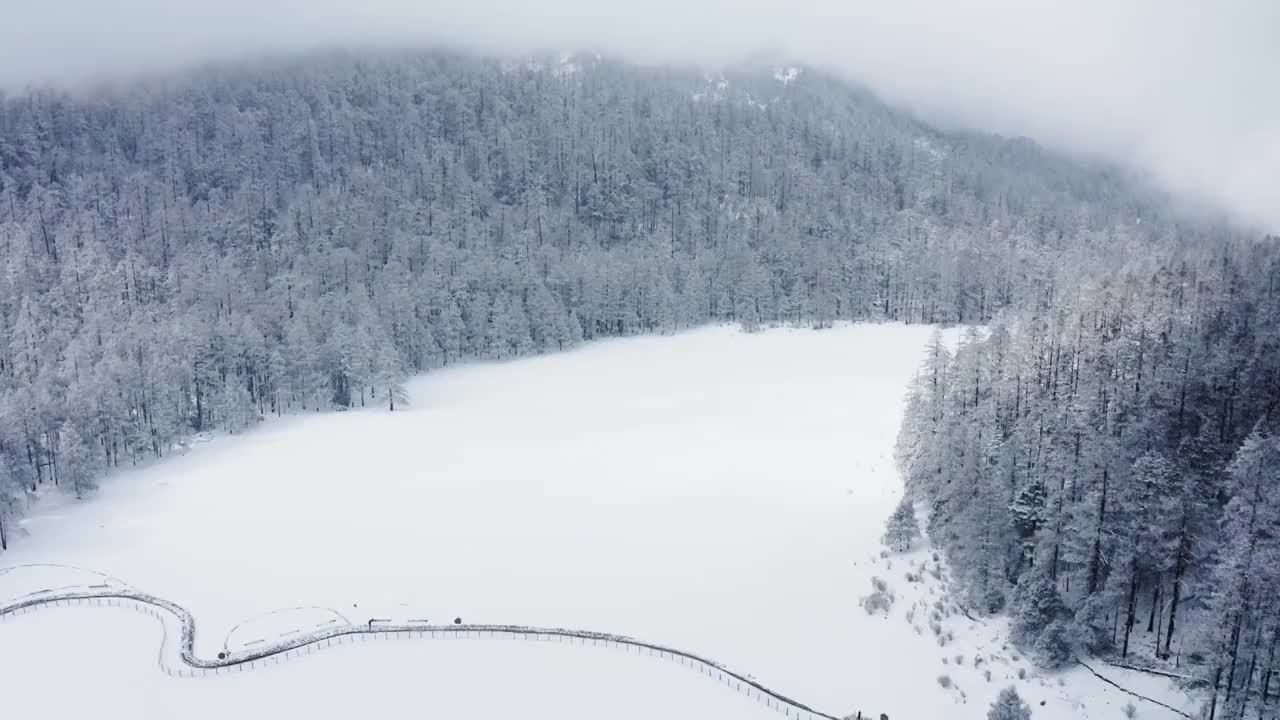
1188,90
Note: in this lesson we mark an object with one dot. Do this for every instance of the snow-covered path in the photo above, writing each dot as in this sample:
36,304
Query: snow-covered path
177,657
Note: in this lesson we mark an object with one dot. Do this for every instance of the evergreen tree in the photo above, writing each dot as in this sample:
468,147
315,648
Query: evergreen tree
1035,606
902,529
1009,706
75,462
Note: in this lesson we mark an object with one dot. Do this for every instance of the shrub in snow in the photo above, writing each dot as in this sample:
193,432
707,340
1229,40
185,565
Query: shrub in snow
901,529
880,599
1130,711
944,681
1009,706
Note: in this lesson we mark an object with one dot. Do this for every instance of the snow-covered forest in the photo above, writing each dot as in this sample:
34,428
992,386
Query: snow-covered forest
203,250
1104,463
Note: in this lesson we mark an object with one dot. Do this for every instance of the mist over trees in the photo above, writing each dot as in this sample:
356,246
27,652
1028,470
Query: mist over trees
1105,464
198,252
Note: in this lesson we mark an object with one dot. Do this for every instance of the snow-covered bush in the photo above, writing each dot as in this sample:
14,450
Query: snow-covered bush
1009,706
880,600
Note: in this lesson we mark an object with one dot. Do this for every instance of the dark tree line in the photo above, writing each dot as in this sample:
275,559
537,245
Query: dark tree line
1106,462
201,251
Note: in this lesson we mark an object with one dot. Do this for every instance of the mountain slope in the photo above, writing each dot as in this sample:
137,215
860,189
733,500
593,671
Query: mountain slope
203,250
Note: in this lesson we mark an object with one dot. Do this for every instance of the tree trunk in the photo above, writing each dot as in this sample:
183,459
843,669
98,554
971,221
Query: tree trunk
1265,690
1155,602
1095,558
1159,632
1213,701
1133,602
1246,684
1234,643
1179,568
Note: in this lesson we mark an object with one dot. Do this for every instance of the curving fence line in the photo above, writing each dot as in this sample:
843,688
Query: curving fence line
177,656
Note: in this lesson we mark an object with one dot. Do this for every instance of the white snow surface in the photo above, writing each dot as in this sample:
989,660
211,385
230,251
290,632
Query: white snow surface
715,491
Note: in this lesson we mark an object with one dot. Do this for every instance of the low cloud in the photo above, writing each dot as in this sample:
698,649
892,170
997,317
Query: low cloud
1185,91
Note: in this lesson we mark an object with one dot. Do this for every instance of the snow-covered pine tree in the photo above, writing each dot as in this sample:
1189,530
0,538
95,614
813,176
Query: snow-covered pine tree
1034,607
902,529
76,463
10,490
1009,706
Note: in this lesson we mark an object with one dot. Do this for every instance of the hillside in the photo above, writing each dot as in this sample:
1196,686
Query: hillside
1104,469
203,250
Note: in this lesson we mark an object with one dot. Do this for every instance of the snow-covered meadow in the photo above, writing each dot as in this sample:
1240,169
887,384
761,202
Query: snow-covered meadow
715,491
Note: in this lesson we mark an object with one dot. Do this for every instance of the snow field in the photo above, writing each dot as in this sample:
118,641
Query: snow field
719,492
